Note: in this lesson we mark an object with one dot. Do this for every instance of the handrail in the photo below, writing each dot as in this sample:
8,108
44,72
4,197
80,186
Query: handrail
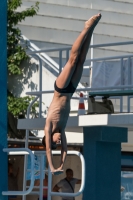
84,89
30,105
21,151
82,178
111,57
36,52
91,46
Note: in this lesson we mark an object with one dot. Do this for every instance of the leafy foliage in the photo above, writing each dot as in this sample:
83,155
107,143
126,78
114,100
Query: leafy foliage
20,104
16,54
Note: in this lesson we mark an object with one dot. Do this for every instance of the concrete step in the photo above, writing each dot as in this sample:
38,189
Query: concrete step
111,17
68,37
62,23
119,6
103,39
58,23
125,1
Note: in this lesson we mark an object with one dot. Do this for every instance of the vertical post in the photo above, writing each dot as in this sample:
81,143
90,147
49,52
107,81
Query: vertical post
129,71
102,153
25,163
67,55
121,104
128,103
92,50
92,57
3,98
49,183
60,61
42,176
121,71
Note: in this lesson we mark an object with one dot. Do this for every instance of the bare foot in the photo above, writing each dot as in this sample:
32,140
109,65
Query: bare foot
57,172
92,22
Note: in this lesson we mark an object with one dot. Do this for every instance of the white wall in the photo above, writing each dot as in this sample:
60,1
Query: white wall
60,22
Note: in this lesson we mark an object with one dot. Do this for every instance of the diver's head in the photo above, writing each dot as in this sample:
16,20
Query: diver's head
55,139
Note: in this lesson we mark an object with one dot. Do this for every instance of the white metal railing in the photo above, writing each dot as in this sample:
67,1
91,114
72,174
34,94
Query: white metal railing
82,178
42,154
21,151
25,151
49,187
40,53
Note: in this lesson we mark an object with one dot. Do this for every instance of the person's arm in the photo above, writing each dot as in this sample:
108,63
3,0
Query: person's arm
63,149
48,132
56,188
78,181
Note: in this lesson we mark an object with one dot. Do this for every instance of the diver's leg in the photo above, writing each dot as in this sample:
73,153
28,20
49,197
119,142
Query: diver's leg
82,56
66,75
79,67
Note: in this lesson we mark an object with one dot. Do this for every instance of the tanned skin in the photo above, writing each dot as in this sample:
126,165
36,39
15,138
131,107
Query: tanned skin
59,109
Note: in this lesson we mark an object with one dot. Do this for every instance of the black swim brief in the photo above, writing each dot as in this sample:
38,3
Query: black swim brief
69,89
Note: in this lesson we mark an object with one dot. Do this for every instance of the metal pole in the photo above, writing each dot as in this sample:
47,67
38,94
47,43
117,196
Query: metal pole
121,71
67,55
40,81
129,71
121,104
60,61
41,176
128,104
91,69
49,183
25,164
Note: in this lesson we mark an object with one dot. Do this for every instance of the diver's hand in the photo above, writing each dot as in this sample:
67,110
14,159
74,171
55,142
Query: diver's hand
57,171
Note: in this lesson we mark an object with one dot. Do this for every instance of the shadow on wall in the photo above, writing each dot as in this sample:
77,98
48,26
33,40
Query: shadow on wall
18,83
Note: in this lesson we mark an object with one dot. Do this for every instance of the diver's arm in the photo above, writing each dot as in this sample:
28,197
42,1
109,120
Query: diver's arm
63,149
48,132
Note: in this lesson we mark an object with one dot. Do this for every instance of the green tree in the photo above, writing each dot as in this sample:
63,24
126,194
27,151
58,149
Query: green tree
16,54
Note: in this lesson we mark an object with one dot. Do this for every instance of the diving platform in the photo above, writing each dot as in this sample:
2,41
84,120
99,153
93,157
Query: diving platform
124,120
103,135
39,123
77,122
